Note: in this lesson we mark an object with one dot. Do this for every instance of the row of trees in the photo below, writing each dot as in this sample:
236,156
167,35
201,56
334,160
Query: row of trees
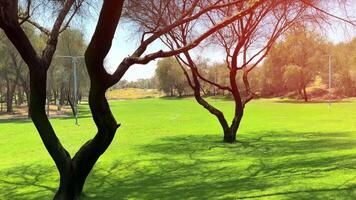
301,60
297,61
245,30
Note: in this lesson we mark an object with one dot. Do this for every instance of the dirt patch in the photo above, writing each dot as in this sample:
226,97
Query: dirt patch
21,112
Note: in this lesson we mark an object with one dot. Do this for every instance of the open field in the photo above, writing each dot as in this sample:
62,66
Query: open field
171,149
133,93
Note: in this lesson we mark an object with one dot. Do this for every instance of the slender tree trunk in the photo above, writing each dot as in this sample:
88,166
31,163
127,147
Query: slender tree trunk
180,93
20,96
305,95
71,105
15,98
1,101
9,97
172,93
27,93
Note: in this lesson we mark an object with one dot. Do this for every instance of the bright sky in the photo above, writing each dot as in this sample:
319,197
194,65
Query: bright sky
125,43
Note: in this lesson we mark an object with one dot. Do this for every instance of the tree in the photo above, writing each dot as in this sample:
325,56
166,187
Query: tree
272,81
170,77
246,41
297,59
12,15
343,69
249,39
293,79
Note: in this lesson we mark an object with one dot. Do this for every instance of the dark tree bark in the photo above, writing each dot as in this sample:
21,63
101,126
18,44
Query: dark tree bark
73,172
305,95
61,97
10,92
71,105
1,101
20,96
26,89
229,131
8,97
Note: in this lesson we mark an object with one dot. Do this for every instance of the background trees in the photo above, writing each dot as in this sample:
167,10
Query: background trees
171,79
60,88
294,62
300,61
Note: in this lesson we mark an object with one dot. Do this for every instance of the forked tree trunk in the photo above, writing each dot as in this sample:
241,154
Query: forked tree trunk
229,136
73,171
230,133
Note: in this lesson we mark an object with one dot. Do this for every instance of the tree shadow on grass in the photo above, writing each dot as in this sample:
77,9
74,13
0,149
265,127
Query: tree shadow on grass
27,182
16,120
280,165
295,101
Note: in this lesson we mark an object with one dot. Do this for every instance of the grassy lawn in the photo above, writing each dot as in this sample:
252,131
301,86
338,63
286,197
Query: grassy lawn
171,149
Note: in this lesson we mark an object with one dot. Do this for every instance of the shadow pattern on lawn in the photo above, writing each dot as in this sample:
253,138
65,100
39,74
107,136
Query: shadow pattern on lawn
280,165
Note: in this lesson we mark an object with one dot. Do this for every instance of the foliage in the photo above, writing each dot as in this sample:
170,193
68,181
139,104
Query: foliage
170,76
294,62
71,43
293,77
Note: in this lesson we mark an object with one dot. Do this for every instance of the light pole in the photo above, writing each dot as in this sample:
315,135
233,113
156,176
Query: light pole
330,72
74,60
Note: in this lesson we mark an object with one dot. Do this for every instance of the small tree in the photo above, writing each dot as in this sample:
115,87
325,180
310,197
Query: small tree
170,77
294,80
246,42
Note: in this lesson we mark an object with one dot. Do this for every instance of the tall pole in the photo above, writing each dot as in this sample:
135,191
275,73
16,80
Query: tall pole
75,89
47,94
330,80
74,62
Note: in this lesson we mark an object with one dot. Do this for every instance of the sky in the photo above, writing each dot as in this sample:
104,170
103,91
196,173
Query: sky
126,41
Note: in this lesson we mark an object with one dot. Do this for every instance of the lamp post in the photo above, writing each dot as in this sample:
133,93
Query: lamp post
74,60
330,79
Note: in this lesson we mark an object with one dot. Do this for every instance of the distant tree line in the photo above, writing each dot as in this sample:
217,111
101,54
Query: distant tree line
296,67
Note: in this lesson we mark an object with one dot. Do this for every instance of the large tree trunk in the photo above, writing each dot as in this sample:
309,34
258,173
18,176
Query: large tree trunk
230,133
229,136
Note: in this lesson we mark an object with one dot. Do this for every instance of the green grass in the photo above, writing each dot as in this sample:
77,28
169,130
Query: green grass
172,149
